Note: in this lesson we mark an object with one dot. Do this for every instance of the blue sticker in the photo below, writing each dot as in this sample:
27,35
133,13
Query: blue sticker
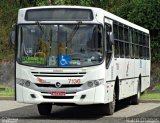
64,60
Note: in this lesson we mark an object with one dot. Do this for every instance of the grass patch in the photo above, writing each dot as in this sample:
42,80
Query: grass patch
157,87
150,96
9,91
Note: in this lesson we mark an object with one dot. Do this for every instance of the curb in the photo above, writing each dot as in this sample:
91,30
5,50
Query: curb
7,98
150,101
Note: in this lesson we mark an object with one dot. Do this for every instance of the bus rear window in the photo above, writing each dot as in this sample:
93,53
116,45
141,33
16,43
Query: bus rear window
59,14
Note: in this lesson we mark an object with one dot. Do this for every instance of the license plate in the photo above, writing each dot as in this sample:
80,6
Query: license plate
58,93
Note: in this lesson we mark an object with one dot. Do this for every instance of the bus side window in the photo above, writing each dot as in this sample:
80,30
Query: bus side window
147,45
121,45
116,42
127,55
121,40
127,43
120,32
131,45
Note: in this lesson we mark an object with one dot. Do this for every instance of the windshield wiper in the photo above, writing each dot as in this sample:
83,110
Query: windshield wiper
74,31
40,26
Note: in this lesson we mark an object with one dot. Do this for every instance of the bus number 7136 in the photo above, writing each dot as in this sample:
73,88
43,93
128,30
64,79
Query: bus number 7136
74,81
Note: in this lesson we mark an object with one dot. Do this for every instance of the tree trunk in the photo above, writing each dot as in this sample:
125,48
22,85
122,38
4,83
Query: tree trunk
49,2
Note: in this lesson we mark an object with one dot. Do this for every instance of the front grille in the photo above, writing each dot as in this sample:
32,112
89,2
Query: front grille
66,92
64,74
63,85
58,97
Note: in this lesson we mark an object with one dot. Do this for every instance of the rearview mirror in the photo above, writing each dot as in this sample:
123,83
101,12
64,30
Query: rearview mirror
12,37
111,39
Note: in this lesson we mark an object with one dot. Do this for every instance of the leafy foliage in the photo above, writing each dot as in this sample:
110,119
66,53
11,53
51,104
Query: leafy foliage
7,18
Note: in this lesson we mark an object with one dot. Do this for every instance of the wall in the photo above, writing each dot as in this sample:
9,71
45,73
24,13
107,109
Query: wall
7,73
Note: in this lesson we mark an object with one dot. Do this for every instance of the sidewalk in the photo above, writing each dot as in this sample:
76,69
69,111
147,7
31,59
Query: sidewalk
6,105
6,98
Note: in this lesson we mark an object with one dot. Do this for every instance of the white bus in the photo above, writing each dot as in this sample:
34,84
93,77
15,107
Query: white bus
74,55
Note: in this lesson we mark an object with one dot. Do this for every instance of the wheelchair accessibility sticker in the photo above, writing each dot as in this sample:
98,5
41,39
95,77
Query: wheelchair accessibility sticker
64,60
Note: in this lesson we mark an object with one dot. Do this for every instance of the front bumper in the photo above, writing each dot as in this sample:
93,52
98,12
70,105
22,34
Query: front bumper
83,97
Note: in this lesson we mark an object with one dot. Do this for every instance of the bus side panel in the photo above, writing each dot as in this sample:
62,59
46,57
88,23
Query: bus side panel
129,76
19,88
109,89
137,74
99,94
119,65
19,93
146,78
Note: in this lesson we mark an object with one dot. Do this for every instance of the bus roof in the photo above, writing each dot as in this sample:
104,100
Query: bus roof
95,11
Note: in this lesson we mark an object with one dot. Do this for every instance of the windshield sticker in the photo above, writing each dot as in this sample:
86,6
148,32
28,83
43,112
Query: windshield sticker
64,60
75,62
52,61
89,60
29,50
33,60
33,31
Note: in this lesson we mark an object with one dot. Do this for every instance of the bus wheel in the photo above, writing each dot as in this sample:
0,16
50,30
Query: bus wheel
110,107
136,98
44,108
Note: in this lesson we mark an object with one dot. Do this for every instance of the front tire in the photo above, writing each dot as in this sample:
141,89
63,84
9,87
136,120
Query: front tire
109,108
44,108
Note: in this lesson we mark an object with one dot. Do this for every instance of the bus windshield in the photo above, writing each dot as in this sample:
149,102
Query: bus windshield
66,45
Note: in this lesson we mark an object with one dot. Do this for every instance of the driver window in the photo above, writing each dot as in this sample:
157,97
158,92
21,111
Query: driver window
30,40
107,32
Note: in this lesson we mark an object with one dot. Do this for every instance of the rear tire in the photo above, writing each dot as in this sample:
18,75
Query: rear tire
109,108
44,108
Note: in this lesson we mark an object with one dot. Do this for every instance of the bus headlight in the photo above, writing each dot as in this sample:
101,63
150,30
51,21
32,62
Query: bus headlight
23,82
95,83
90,84
20,81
27,83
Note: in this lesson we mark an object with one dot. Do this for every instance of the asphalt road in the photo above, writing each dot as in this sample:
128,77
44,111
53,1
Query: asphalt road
13,112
